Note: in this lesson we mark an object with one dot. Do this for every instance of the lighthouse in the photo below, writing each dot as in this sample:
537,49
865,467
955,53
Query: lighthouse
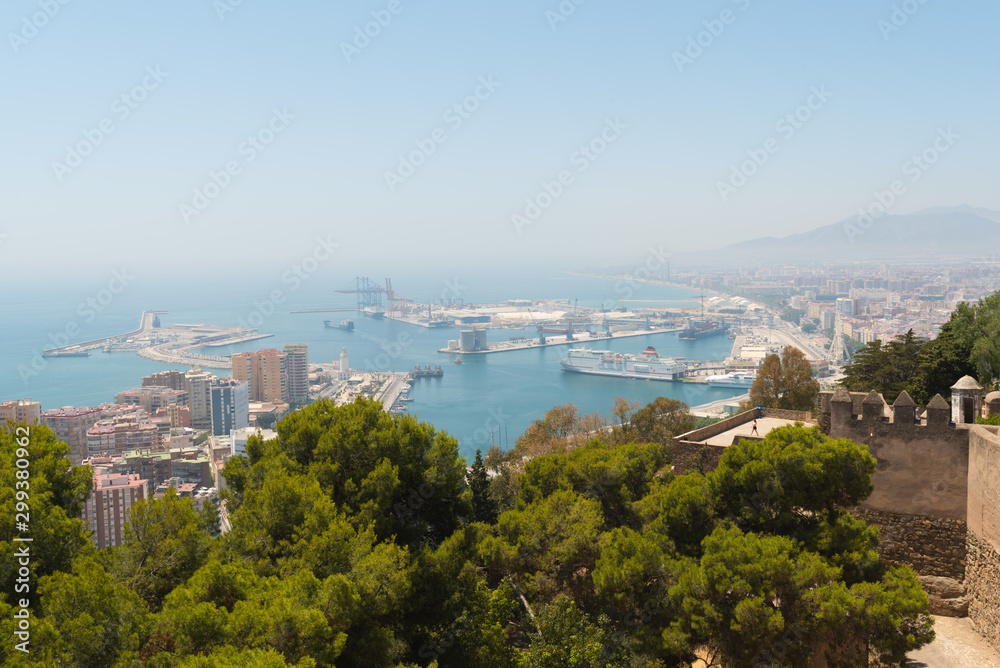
345,369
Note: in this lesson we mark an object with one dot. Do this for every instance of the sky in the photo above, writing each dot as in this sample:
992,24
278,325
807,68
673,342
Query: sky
220,137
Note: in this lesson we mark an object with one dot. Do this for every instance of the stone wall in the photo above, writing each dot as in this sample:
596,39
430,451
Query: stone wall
922,470
983,583
932,546
983,571
690,457
785,414
717,428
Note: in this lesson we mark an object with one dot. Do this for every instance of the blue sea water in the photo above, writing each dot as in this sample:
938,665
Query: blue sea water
489,396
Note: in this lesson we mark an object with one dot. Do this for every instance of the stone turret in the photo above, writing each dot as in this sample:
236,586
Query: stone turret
993,403
904,409
938,412
966,400
873,407
841,407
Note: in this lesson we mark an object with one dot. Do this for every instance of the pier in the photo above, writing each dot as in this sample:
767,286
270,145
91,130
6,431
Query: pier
170,345
578,339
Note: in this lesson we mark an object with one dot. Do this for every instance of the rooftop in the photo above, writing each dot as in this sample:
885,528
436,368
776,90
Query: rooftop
764,427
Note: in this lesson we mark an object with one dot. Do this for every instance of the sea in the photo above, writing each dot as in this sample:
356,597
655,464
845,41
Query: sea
489,399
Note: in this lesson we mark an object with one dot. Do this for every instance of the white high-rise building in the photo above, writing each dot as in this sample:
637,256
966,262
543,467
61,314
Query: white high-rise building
345,367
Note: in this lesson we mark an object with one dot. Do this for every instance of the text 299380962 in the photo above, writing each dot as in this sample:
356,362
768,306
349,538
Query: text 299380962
22,519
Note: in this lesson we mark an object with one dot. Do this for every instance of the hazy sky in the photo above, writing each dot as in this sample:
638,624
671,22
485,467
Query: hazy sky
183,86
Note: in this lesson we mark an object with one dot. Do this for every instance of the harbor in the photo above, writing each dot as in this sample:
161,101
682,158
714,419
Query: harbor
542,342
170,345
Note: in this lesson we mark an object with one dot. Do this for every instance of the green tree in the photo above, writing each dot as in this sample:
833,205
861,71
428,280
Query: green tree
88,618
888,368
162,546
800,388
769,384
484,506
401,474
38,481
941,362
784,382
617,477
567,638
978,328
660,420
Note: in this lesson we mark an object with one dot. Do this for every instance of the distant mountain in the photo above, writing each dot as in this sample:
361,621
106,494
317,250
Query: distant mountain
936,233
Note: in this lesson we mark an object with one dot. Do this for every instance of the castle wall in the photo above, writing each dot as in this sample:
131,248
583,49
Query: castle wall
983,570
931,546
922,470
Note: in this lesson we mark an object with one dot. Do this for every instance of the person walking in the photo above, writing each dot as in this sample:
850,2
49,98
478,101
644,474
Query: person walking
754,430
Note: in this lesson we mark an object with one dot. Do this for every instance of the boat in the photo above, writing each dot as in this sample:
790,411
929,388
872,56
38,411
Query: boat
345,325
700,329
743,379
458,361
427,372
647,365
439,323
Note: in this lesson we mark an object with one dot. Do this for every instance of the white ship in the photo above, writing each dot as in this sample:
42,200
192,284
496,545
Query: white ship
648,364
734,379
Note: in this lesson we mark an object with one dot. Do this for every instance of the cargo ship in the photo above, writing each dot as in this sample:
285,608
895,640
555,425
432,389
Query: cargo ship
648,364
346,325
427,372
742,379
700,329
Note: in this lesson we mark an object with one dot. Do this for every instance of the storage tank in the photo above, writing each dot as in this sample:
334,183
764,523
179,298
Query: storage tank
467,340
452,344
480,339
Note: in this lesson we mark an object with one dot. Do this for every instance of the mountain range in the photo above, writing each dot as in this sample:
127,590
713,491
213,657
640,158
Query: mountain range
937,233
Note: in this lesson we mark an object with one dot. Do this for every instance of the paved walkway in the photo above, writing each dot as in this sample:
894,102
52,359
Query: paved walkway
764,425
956,646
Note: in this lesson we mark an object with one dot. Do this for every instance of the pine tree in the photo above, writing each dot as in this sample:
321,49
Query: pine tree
484,507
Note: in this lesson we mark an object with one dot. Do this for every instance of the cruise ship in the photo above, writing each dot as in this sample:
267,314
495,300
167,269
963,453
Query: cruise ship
735,379
648,364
